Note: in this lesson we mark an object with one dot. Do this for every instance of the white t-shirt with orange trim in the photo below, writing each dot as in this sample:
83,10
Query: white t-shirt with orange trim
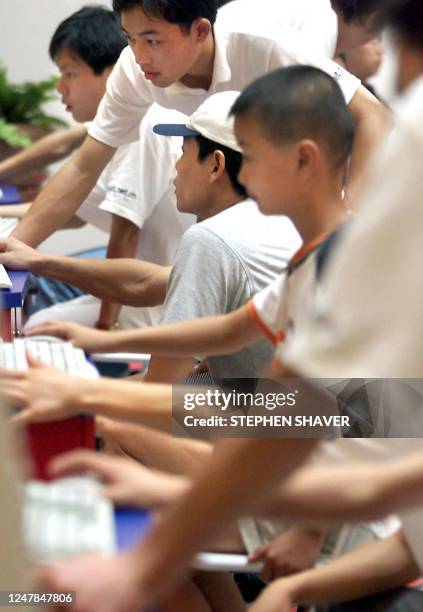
277,308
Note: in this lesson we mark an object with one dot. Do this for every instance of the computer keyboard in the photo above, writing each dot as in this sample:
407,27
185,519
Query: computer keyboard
7,225
67,517
59,354
5,282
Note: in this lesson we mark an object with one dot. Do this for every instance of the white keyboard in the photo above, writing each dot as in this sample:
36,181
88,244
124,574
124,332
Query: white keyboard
61,355
67,517
7,225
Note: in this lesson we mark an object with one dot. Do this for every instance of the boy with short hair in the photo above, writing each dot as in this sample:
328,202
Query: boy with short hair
177,57
134,210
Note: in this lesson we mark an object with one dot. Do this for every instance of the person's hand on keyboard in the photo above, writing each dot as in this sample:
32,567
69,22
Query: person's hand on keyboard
17,255
43,393
126,482
89,339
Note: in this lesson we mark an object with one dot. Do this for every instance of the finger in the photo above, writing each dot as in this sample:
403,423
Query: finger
12,374
79,461
33,362
50,328
257,554
14,396
50,576
118,494
24,417
267,573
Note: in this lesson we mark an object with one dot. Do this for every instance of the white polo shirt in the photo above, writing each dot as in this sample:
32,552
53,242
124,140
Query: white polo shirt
315,19
367,319
240,58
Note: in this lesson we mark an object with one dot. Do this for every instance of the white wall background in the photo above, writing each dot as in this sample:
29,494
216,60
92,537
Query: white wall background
26,29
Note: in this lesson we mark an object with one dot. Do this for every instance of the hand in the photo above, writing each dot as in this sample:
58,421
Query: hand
126,482
44,393
294,551
91,340
106,584
275,598
17,255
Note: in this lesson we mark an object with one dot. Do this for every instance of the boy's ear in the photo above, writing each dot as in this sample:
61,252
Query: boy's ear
218,165
308,154
202,28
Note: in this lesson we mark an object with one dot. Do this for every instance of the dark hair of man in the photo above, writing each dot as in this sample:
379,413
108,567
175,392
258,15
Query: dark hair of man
233,160
299,102
357,11
94,34
405,19
181,12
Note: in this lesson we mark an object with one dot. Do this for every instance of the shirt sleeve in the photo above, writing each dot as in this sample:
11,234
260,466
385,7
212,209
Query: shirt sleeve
126,101
294,49
144,171
267,309
122,196
206,280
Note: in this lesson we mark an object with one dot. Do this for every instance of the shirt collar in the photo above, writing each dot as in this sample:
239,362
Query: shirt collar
305,250
222,72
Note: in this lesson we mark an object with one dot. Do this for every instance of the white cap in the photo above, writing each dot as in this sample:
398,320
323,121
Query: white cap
211,120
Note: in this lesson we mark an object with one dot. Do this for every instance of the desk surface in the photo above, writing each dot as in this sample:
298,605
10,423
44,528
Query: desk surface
9,195
12,298
131,526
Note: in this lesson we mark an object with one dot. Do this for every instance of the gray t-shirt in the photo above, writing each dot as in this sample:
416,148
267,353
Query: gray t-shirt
220,264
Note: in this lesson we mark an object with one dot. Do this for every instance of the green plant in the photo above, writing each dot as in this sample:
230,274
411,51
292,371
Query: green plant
22,103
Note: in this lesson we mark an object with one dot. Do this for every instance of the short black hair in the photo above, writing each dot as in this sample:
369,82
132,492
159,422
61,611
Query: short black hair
300,102
233,160
357,11
181,12
405,18
94,34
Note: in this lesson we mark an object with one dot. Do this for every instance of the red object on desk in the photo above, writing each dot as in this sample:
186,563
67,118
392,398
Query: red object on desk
46,440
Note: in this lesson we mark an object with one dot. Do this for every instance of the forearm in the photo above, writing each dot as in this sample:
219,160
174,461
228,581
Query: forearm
123,244
254,466
64,193
349,493
205,336
124,281
16,211
372,124
168,489
147,404
49,149
376,567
